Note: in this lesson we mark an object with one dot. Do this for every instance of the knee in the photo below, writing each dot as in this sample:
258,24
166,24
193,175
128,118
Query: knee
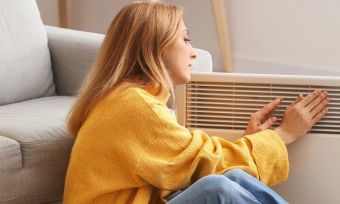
216,184
219,187
236,174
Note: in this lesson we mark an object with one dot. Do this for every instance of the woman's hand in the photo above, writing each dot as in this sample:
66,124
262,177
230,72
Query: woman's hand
300,116
262,119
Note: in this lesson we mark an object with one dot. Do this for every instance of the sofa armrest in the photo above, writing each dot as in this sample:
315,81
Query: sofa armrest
72,54
10,157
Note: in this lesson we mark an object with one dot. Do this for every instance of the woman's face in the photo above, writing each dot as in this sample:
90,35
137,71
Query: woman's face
178,56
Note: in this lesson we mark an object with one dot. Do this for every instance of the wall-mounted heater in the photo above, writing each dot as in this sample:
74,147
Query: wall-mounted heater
221,103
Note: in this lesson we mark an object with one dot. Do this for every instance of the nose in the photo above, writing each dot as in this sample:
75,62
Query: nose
193,54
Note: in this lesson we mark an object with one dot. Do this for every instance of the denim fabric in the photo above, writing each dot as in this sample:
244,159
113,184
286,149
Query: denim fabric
235,186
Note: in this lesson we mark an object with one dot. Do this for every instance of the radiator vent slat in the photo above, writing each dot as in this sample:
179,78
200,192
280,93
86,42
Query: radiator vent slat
254,95
228,105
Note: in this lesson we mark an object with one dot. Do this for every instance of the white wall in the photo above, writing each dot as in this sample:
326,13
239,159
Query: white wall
289,36
286,37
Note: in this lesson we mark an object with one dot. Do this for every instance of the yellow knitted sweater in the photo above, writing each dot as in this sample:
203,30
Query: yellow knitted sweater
131,150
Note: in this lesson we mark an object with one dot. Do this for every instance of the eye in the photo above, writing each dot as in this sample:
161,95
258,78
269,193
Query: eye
187,40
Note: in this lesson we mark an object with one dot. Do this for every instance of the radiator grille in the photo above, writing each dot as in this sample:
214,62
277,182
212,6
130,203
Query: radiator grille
228,105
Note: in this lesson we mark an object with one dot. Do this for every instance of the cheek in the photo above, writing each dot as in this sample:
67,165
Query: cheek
182,57
172,60
181,72
176,61
168,61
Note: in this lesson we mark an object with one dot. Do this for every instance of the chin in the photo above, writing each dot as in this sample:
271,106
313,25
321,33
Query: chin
186,80
182,81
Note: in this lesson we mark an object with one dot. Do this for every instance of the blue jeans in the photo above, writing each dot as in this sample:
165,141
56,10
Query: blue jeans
235,186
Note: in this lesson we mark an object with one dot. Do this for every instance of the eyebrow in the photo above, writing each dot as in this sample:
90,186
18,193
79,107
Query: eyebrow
186,30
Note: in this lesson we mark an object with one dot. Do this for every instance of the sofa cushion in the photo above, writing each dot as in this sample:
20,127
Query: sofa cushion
11,172
38,149
25,66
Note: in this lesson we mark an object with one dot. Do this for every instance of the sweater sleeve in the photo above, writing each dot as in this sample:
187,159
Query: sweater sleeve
172,156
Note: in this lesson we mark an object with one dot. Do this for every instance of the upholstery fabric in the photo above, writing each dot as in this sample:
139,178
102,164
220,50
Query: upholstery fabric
72,54
25,66
34,150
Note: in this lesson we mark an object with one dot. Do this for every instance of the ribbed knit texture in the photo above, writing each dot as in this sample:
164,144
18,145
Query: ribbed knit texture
132,150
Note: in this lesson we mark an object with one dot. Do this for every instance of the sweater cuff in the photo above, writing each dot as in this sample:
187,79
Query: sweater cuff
270,155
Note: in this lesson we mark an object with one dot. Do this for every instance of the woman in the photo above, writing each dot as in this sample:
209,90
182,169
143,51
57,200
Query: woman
129,147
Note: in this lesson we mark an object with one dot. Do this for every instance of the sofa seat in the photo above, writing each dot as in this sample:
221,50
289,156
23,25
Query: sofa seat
34,150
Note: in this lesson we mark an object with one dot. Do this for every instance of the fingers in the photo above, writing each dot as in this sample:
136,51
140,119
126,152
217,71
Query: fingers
319,107
268,109
268,123
308,99
316,105
298,99
320,115
316,102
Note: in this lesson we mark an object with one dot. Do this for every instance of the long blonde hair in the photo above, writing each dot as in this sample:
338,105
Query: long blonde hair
132,48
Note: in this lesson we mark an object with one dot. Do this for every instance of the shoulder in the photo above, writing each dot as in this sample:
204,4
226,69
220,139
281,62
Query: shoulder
136,102
132,96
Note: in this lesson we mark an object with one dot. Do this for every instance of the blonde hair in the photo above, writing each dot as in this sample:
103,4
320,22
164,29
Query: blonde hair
133,48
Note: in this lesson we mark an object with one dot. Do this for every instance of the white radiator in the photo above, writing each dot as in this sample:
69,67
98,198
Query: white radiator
221,103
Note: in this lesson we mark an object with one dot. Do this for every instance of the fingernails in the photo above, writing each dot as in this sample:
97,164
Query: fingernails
279,98
317,91
325,102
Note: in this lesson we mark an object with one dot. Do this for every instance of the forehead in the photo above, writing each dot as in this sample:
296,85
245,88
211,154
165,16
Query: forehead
182,27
